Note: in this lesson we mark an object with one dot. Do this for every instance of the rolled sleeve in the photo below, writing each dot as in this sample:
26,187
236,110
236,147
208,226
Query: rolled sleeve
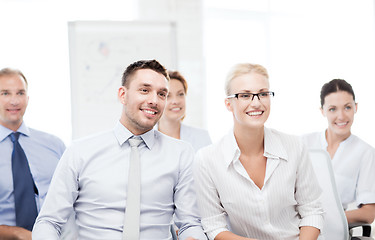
308,194
212,212
186,213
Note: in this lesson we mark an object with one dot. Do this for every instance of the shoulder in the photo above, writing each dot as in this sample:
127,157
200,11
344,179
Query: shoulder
167,142
313,140
193,129
283,138
360,145
96,140
46,139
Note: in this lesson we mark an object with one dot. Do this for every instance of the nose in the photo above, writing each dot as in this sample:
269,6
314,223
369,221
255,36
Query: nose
14,100
257,95
341,114
152,98
172,100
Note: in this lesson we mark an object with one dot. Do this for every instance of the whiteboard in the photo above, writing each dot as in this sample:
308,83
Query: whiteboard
99,52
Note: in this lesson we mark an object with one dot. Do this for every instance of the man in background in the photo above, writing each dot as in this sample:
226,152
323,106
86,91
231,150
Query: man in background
28,158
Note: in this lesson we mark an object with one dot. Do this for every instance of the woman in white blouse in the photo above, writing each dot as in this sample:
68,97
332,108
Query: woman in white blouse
171,121
256,182
353,160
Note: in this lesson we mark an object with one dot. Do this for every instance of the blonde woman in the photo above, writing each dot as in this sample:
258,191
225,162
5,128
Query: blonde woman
257,179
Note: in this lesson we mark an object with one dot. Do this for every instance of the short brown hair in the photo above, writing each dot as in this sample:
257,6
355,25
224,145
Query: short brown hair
177,76
142,64
12,71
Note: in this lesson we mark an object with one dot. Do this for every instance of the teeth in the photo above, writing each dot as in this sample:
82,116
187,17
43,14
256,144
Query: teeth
175,109
341,124
255,113
149,112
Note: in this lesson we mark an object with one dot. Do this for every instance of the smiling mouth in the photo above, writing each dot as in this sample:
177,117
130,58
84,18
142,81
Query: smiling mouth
175,109
342,124
13,110
257,113
149,112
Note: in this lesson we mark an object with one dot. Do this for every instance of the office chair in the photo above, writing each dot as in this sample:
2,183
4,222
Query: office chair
335,223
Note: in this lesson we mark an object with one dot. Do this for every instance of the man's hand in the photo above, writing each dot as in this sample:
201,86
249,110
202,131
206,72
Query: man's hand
14,233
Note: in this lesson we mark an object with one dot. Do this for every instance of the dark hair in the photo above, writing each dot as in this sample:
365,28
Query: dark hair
335,85
177,76
142,64
11,71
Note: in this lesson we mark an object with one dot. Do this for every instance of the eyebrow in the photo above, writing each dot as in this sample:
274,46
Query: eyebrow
260,90
149,85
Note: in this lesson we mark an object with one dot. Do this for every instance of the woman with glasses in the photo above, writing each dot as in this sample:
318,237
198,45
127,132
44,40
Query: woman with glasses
256,182
353,160
171,121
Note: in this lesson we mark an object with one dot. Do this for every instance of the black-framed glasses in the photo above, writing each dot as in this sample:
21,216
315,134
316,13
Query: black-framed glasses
247,96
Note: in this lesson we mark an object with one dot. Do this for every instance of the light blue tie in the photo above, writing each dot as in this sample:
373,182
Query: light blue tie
24,187
133,201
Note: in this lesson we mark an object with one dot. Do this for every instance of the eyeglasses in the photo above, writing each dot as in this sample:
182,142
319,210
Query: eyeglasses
247,96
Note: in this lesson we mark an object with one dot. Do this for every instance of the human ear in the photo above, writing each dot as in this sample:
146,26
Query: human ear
121,94
322,111
228,104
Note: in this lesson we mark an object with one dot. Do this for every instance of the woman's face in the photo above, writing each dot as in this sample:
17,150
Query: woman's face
339,109
175,109
251,112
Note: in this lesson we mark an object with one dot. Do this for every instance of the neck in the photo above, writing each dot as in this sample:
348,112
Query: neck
250,140
170,127
333,139
14,126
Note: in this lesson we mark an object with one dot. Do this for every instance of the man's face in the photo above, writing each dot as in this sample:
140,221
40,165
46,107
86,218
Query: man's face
143,101
13,101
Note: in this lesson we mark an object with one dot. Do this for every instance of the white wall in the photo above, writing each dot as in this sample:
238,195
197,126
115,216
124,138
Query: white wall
303,44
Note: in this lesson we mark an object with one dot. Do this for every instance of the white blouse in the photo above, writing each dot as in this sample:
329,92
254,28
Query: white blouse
353,165
289,199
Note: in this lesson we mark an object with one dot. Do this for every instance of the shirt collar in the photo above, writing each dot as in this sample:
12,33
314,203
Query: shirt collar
123,134
4,132
273,147
233,151
324,142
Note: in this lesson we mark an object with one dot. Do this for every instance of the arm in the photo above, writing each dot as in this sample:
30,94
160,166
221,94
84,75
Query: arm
186,212
309,233
364,214
226,235
212,212
308,197
14,233
58,204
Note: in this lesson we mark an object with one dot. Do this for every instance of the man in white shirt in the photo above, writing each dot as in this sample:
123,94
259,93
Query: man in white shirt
92,176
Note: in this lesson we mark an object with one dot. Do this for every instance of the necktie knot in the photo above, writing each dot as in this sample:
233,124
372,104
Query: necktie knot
135,141
14,136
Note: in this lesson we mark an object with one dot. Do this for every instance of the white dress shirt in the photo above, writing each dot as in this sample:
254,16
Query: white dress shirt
289,199
91,179
353,165
197,137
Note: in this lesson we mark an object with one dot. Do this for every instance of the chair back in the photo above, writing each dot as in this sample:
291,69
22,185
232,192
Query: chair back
335,223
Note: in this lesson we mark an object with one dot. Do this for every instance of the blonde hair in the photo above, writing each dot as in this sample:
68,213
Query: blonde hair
241,69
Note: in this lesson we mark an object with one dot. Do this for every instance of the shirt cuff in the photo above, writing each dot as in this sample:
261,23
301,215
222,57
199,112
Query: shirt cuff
214,233
365,198
316,221
195,232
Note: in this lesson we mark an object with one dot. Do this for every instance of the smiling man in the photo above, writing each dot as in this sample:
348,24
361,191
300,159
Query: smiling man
27,160
93,177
